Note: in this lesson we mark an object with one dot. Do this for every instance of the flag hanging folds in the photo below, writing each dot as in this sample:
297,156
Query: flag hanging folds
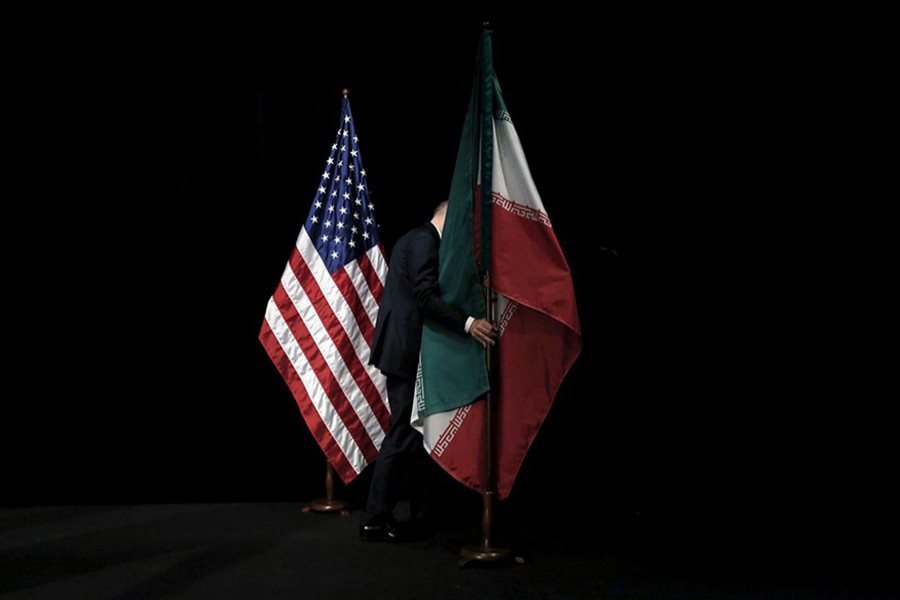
496,222
319,322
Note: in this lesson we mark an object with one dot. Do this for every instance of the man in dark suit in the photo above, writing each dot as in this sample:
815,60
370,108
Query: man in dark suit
411,295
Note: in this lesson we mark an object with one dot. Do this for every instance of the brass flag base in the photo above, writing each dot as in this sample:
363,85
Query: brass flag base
487,554
326,505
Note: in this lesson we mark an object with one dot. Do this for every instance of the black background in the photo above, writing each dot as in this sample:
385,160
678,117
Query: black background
169,164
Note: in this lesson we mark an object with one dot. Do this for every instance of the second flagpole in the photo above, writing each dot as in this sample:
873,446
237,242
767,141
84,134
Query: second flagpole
486,551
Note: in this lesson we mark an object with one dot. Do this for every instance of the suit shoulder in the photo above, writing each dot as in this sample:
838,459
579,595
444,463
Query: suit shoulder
418,234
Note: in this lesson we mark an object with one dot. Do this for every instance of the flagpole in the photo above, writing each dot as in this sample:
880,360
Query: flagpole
487,552
329,503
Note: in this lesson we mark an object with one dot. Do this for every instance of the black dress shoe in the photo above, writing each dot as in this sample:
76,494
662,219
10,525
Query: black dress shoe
382,528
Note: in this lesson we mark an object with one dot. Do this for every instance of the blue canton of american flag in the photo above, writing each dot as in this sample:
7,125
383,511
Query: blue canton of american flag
320,320
342,218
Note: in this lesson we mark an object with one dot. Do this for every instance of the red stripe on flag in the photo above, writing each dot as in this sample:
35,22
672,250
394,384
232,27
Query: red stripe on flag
530,380
460,448
541,330
317,427
527,263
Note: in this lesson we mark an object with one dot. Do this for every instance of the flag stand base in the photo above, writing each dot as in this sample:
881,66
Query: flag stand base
328,503
487,554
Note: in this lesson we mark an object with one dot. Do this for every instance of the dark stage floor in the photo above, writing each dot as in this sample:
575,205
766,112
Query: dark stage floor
276,550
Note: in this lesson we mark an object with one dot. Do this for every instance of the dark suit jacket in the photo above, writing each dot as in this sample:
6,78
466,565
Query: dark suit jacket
411,295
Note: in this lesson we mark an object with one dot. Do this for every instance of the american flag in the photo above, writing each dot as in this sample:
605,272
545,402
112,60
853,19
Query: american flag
320,320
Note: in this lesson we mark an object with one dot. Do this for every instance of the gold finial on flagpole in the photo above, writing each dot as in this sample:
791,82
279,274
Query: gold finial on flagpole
346,91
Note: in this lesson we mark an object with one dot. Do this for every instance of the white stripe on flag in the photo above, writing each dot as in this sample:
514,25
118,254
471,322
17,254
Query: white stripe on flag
510,158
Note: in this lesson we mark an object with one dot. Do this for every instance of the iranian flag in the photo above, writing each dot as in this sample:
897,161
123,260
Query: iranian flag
498,237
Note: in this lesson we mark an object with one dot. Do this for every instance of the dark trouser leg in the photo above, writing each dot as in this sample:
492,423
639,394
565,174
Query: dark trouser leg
400,445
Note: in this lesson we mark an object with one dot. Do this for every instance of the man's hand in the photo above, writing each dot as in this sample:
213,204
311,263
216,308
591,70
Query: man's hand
483,331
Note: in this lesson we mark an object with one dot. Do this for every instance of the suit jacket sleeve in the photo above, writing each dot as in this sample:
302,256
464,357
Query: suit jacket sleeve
423,269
